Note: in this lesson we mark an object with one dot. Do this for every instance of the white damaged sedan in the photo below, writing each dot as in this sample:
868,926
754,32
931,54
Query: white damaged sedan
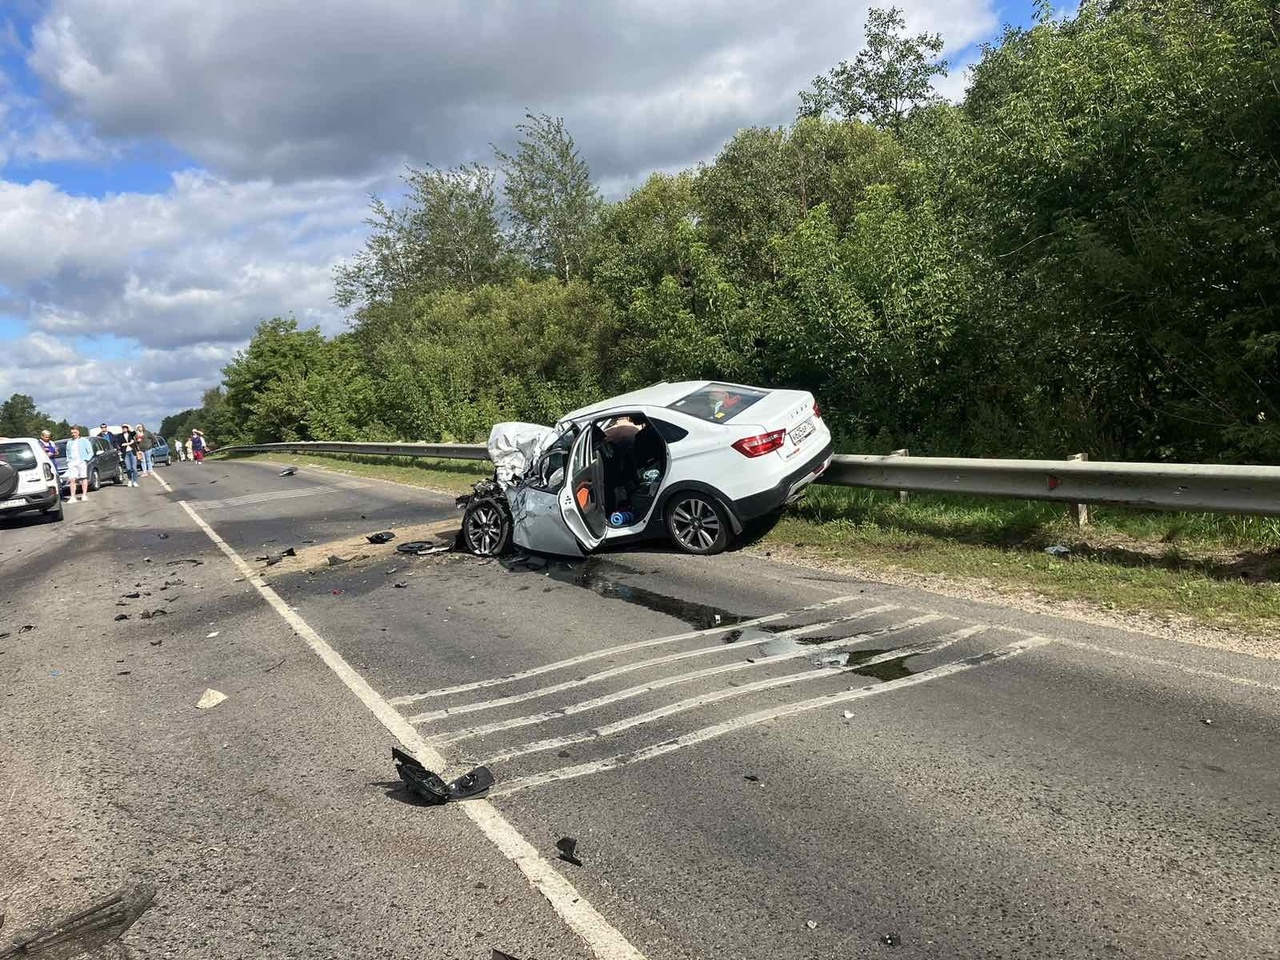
693,461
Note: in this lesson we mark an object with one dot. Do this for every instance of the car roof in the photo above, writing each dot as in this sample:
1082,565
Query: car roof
657,395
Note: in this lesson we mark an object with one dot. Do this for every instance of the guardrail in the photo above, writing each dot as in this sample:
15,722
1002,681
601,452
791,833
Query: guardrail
1191,487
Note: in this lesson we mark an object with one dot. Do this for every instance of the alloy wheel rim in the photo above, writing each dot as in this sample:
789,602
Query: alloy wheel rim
484,529
695,524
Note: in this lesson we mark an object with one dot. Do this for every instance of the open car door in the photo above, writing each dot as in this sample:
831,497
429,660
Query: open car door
582,499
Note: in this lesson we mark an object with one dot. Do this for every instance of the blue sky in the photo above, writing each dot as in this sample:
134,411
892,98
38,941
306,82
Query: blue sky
173,173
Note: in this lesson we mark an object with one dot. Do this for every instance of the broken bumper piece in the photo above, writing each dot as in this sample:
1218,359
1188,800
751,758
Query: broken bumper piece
432,788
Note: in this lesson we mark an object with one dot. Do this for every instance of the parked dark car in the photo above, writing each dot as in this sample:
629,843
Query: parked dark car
104,466
161,452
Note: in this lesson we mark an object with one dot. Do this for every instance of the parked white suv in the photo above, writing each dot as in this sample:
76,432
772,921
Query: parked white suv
28,480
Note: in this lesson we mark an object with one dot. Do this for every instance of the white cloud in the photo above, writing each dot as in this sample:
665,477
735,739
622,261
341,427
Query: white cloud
335,88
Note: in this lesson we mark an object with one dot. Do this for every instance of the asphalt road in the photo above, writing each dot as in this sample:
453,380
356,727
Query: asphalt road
756,760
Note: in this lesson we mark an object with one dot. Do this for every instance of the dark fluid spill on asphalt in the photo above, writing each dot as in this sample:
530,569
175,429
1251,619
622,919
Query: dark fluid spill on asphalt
605,579
894,669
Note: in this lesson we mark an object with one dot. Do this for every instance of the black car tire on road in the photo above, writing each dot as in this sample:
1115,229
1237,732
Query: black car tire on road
95,482
119,477
54,514
486,528
8,480
697,523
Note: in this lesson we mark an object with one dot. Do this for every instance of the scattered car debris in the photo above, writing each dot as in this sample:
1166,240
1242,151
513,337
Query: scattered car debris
163,536
87,930
335,560
155,643
210,636
1058,550
431,787
274,665
307,540
891,940
568,847
26,628
191,560
123,673
121,616
811,924
848,714
382,536
751,778
430,551
210,699
1207,722
400,584
158,612
132,596
499,955
288,471
413,546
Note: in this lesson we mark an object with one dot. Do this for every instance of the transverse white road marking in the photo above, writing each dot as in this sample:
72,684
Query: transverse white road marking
715,696
601,937
611,651
764,716
641,689
630,668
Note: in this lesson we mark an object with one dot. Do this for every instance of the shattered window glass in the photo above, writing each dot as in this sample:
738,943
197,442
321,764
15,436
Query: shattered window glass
718,402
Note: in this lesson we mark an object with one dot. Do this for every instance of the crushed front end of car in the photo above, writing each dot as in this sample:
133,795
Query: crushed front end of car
486,520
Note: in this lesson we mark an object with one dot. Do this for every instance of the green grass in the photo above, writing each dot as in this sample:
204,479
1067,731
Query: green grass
446,476
1218,570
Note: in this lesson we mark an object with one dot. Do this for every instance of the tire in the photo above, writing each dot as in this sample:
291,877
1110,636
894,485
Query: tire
697,523
95,482
54,515
118,479
8,480
486,528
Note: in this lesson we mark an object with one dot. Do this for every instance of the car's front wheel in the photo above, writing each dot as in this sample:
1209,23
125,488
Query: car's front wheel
486,528
95,484
697,523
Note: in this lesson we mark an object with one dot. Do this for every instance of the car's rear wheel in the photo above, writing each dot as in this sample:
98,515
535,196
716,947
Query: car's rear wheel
95,483
54,514
697,523
486,528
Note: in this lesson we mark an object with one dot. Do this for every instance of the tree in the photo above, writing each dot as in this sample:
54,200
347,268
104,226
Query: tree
447,234
890,76
20,418
553,204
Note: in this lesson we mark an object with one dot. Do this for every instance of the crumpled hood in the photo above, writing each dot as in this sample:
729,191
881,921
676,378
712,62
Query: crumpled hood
513,446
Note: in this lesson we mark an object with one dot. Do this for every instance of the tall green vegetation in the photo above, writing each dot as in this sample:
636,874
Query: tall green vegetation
19,417
1082,255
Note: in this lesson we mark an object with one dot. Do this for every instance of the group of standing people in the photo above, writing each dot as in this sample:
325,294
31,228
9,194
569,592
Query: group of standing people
133,444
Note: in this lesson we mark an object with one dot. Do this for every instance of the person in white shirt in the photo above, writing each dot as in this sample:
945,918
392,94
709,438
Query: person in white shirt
79,452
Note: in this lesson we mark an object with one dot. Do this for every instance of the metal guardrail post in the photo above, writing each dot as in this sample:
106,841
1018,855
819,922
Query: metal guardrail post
1080,511
903,496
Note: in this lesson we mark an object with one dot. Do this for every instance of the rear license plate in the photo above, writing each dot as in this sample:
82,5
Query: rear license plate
12,503
801,433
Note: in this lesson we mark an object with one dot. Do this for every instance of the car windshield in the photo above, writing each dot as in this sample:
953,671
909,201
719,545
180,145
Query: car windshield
718,402
20,456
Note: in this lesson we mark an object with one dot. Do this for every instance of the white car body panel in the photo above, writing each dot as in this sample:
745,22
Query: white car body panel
34,480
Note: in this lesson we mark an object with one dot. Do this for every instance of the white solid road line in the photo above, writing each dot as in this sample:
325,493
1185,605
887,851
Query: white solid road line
611,651
1157,662
630,668
604,940
764,716
641,689
725,693
162,482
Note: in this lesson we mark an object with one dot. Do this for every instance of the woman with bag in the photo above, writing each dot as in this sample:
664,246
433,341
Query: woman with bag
129,450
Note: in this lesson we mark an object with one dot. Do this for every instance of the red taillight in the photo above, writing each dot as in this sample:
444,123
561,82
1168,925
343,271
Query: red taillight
759,446
816,412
